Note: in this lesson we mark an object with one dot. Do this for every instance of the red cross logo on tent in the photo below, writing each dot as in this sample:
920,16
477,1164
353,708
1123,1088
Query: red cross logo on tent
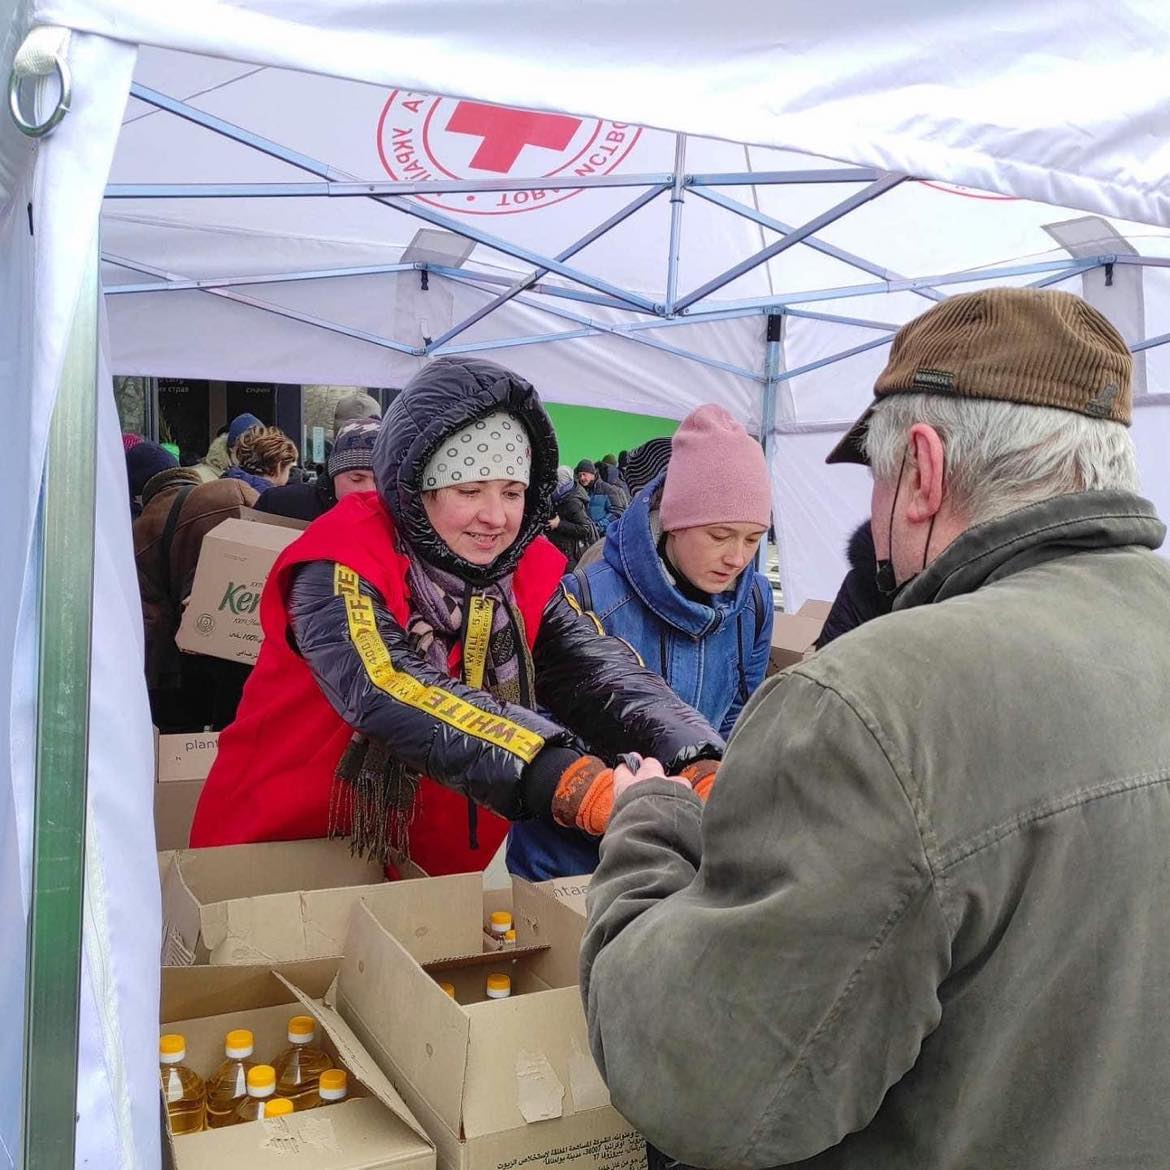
506,132
423,137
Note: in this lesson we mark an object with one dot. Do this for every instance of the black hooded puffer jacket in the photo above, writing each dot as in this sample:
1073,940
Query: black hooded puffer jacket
599,696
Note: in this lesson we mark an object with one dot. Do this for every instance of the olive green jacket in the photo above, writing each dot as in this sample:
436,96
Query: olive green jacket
924,922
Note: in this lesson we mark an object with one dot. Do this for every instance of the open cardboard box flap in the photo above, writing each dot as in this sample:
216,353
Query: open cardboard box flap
489,1066
373,1128
353,1055
274,902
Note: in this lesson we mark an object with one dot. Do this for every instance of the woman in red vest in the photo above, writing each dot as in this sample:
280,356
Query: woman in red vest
424,677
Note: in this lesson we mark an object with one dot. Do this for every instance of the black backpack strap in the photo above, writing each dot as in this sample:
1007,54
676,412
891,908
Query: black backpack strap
585,589
168,533
759,604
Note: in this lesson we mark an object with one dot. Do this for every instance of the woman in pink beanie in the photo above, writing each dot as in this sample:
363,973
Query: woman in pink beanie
677,582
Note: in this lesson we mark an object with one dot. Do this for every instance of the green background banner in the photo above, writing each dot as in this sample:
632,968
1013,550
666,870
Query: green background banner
589,432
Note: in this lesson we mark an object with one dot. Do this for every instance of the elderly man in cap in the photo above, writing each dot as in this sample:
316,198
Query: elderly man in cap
924,920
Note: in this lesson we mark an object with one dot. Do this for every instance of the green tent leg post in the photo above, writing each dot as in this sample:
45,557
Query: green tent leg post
58,849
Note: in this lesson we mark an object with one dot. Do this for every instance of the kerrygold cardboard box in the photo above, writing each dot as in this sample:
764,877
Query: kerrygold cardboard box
371,1130
495,1082
182,763
275,902
222,617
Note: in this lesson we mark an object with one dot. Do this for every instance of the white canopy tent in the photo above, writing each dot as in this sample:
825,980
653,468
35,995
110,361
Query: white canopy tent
250,173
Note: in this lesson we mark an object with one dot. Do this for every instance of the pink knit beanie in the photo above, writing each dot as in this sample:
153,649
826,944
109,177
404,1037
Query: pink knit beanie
717,474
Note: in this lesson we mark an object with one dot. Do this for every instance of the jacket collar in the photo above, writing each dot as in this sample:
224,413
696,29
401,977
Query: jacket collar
172,477
1040,532
631,547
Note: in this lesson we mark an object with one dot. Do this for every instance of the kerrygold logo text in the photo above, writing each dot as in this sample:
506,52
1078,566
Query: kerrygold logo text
239,599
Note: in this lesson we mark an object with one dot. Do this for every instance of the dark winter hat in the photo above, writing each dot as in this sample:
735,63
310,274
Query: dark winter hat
611,460
145,460
1035,347
240,424
353,448
355,407
586,465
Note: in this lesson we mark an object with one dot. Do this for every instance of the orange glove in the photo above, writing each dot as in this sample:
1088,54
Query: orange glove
701,774
584,796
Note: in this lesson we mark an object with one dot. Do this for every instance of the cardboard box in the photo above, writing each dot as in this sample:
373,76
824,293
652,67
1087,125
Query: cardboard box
182,763
495,1083
793,635
275,902
255,517
569,890
222,617
815,609
371,1130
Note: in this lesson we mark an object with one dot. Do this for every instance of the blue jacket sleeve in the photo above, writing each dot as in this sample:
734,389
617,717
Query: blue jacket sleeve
756,662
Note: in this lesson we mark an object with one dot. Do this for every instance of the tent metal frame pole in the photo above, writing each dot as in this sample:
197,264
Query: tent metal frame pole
545,289
834,213
764,305
600,327
677,193
56,910
774,334
263,278
831,250
402,204
267,307
836,319
577,246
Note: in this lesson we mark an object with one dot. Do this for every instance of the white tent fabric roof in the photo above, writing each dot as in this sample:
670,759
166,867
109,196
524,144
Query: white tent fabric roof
1050,104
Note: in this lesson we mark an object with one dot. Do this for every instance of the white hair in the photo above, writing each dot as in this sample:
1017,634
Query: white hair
1000,456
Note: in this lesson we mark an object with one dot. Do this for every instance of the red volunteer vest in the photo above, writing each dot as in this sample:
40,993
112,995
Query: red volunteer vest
273,776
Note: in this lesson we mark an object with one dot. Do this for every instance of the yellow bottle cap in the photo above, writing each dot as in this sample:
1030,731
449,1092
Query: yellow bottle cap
239,1043
510,936
301,1029
498,986
172,1044
277,1107
261,1080
501,920
333,1079
448,989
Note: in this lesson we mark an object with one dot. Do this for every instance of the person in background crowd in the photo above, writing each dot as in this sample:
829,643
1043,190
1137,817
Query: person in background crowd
350,469
263,457
145,460
236,428
386,716
936,850
217,460
646,463
606,503
355,408
569,527
678,582
607,470
187,692
858,600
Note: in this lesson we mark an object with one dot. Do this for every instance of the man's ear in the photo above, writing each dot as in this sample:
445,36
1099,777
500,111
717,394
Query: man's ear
928,461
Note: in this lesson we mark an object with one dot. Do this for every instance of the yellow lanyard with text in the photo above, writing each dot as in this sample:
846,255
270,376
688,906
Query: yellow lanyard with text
480,611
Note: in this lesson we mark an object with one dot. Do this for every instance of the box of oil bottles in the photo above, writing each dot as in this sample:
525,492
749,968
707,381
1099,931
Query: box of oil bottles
259,1071
483,1035
570,890
273,902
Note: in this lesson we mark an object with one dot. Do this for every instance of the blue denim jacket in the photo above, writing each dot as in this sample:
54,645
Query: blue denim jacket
713,657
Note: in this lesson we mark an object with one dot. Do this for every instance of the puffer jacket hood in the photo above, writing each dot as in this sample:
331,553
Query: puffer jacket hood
441,399
631,547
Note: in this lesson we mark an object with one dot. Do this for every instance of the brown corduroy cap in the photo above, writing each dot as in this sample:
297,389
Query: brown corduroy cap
1033,346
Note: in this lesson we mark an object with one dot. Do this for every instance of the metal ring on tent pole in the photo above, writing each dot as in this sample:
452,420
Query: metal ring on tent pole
40,129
